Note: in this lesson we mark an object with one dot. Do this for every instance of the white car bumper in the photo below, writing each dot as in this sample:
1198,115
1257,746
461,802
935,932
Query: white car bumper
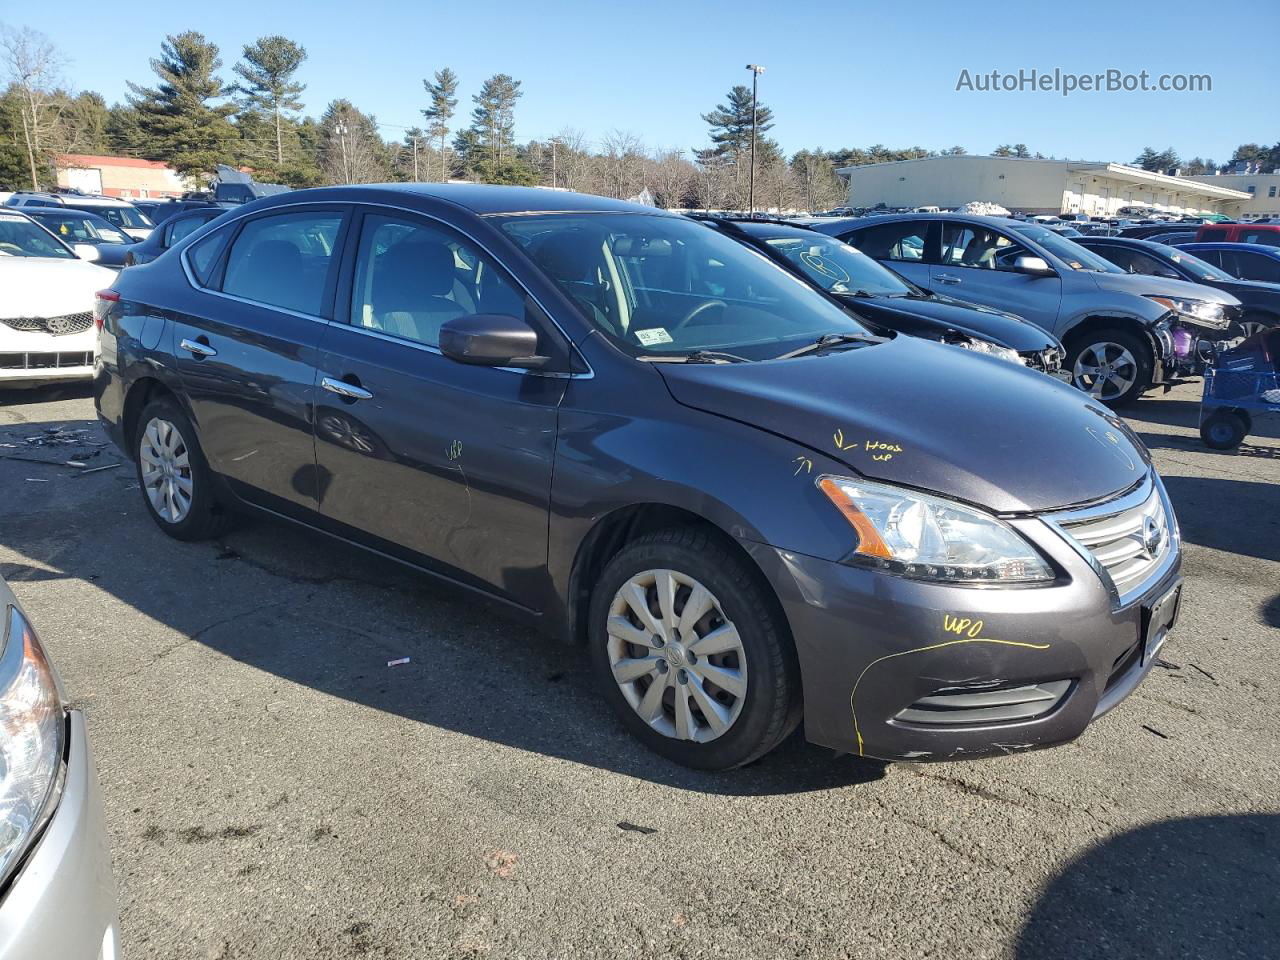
33,357
62,904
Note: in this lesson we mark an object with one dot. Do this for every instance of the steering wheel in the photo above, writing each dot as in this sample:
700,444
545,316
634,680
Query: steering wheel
698,311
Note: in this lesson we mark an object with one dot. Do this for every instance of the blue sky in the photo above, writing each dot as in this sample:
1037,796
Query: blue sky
838,74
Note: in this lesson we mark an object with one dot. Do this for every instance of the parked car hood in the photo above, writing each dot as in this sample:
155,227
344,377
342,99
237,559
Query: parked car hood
47,287
966,426
945,313
1144,285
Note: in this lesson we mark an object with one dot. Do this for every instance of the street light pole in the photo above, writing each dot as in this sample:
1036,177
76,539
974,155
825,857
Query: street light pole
756,70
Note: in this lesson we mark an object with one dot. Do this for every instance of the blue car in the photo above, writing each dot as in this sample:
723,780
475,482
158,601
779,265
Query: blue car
79,226
1246,261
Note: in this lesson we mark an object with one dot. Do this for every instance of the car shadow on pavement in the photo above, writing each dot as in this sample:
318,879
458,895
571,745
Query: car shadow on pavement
331,617
77,390
1204,887
1251,528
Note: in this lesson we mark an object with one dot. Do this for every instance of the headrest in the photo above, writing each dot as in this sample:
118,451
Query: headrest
410,272
570,255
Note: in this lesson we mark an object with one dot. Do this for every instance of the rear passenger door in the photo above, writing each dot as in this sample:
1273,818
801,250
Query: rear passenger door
905,245
246,349
418,455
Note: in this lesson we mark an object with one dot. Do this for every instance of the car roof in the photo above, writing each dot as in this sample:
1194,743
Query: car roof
772,228
480,199
1263,248
37,212
1140,243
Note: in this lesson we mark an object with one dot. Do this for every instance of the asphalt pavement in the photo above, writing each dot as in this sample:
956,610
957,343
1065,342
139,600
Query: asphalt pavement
275,789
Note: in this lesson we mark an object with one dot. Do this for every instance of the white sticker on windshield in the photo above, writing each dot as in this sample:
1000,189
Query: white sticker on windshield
653,336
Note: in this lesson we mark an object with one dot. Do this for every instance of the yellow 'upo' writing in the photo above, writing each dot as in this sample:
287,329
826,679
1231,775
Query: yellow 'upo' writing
961,625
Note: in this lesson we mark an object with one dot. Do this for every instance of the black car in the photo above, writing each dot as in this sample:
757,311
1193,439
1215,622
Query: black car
888,301
1260,301
734,501
78,226
170,231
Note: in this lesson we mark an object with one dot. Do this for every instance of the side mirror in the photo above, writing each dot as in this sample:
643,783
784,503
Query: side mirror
1033,265
86,251
491,340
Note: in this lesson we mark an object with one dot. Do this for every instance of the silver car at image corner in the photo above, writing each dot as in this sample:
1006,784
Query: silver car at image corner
57,893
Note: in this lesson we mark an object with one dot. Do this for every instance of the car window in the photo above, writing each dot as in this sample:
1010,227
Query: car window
19,237
284,260
892,241
1269,238
183,227
1258,266
1135,261
658,285
202,256
1210,234
837,267
75,228
1199,268
412,277
121,216
969,245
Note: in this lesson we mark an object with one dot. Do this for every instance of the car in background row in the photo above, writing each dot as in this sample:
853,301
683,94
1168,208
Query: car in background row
172,208
122,213
1246,261
1118,328
77,226
1260,301
46,304
744,507
57,893
889,302
1267,234
170,231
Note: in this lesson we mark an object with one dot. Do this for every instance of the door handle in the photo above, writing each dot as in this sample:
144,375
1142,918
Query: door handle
946,278
348,391
196,348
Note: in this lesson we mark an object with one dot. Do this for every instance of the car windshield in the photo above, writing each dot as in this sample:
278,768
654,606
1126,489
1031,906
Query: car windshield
123,216
837,267
665,286
1198,267
19,237
79,228
1067,250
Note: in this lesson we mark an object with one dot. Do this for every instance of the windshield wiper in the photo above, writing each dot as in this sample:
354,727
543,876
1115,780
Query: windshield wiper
829,340
697,356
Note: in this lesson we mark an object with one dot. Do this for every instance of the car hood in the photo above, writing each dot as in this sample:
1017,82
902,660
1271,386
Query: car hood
985,323
45,287
1143,285
926,415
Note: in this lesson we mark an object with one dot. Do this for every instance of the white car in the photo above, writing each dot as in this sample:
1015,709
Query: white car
121,213
46,305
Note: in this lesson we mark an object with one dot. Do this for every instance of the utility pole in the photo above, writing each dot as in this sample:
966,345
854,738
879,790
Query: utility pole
553,163
756,70
415,158
341,129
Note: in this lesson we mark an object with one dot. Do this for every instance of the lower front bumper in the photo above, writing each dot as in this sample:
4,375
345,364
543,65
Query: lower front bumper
872,646
62,904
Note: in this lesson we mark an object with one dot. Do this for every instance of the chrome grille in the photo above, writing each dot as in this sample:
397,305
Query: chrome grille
59,326
1130,540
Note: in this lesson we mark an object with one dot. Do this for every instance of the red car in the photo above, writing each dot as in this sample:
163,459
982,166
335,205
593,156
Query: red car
1264,233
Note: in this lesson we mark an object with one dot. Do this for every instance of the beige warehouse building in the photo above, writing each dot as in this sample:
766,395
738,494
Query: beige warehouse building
1262,189
1035,186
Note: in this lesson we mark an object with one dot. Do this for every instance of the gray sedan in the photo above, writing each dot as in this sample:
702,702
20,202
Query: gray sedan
59,898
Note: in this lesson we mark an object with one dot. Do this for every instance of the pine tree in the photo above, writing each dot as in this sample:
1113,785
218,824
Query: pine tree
493,119
731,126
444,98
177,119
267,83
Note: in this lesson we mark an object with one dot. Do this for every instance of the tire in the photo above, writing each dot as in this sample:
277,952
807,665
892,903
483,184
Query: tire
755,712
169,463
1131,362
1223,430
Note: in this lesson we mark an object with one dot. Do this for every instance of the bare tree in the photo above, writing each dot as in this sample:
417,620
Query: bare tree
671,175
573,162
33,65
713,184
624,160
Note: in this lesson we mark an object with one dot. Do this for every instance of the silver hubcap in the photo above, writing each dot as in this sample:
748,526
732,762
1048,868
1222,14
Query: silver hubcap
676,657
166,470
1105,370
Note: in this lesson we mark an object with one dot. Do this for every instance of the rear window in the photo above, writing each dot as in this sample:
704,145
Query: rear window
284,260
1213,233
204,253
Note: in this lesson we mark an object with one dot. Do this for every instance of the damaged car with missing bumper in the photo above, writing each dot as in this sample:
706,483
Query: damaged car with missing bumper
745,509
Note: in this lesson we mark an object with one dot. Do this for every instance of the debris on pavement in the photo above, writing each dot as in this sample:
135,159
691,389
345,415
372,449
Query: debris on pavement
396,663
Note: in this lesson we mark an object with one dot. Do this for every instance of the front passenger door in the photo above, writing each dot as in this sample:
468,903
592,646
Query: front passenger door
976,264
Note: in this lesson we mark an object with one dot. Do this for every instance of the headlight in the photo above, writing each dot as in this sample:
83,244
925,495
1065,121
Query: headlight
994,349
1202,310
929,538
32,727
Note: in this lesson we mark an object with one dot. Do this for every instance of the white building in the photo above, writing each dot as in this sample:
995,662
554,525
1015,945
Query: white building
1034,186
1262,190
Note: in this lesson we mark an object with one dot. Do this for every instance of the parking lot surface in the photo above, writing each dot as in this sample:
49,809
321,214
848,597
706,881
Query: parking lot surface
275,789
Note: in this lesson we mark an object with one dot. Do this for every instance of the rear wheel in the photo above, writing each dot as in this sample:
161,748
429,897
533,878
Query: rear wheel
177,484
689,653
1112,365
1223,430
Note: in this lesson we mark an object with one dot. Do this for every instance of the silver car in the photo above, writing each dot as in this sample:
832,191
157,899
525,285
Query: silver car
57,894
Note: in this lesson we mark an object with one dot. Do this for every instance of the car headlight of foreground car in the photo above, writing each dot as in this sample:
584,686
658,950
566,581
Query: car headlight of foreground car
994,349
928,538
1200,311
32,732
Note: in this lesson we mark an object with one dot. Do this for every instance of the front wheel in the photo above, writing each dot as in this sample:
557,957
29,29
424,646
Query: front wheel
690,654
1111,364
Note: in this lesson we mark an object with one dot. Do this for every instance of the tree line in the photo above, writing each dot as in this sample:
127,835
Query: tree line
192,118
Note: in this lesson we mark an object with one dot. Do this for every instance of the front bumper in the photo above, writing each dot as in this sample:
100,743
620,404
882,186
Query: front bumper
28,358
872,646
62,903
